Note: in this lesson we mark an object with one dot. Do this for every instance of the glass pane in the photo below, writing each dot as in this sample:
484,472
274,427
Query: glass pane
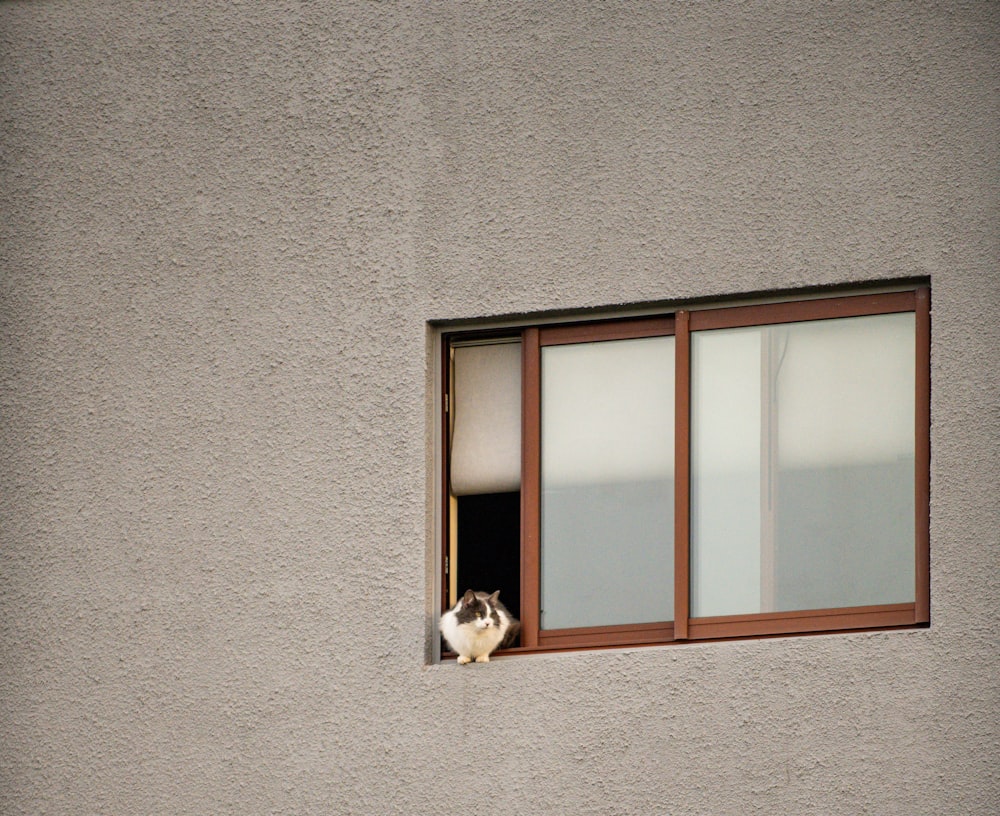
607,483
802,466
725,472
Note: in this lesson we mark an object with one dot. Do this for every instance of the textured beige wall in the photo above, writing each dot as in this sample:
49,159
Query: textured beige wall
224,230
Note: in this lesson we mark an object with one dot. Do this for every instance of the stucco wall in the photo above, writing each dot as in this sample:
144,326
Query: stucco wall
225,229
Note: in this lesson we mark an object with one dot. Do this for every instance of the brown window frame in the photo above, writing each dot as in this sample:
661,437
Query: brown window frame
681,324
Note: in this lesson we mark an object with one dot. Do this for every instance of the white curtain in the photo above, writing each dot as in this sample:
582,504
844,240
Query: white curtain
486,435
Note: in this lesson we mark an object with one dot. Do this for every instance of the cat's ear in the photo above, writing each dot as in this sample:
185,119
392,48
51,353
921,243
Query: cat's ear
493,598
469,598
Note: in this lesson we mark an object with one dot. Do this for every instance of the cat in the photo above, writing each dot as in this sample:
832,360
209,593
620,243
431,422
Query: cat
477,625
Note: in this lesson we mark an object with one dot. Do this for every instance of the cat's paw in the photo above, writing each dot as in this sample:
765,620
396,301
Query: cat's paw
462,660
483,659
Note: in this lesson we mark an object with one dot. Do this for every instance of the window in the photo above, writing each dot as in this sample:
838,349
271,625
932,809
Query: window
711,473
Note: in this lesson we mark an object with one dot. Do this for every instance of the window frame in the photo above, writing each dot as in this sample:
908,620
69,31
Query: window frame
680,323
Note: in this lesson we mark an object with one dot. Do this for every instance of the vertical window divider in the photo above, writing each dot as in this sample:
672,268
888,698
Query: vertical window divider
682,473
922,449
531,462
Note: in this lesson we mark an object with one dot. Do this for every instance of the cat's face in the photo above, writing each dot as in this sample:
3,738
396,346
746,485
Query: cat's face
477,611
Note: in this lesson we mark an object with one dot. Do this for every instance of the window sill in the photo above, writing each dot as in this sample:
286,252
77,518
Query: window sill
885,618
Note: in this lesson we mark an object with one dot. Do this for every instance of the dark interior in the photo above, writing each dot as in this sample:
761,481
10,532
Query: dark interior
489,546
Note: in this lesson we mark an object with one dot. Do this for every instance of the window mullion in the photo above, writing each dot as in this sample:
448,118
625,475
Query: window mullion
682,474
531,430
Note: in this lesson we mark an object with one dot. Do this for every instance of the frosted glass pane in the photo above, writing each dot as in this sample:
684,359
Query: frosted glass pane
607,483
725,472
486,438
802,466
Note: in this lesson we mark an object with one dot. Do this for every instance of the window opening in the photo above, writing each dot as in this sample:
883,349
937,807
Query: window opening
484,472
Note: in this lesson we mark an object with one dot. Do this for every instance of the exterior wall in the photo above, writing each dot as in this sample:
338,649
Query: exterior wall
226,231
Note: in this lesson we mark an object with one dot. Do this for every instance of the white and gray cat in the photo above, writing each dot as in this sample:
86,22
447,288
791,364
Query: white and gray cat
478,625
